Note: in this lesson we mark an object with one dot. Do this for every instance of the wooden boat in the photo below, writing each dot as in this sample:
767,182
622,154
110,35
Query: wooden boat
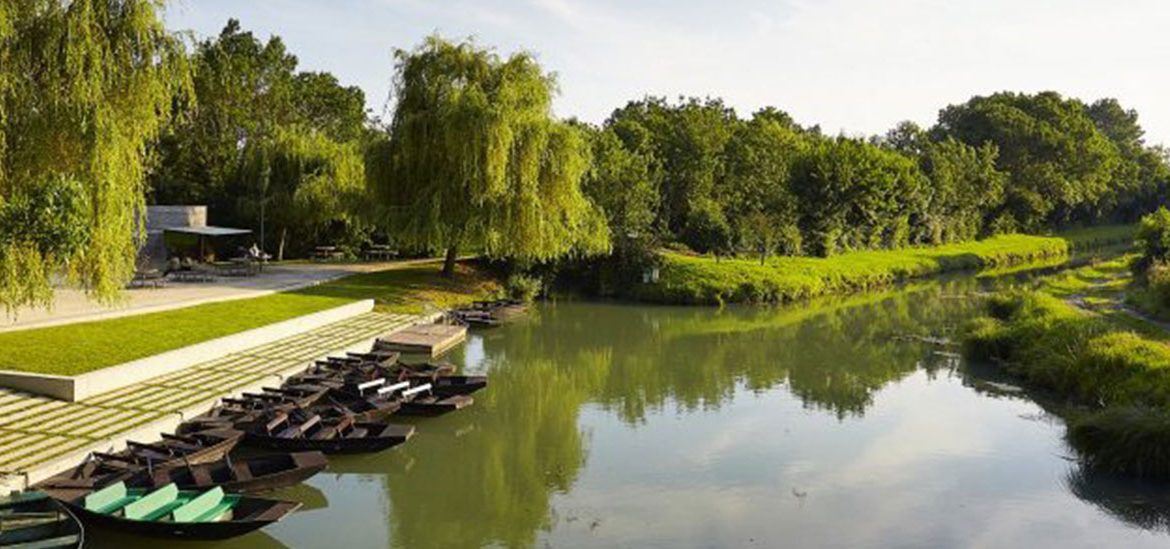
172,513
190,448
227,414
296,431
33,519
385,359
454,385
240,476
340,402
249,475
422,401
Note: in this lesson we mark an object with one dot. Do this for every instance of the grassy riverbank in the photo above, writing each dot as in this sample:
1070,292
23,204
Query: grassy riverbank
703,280
73,349
1116,381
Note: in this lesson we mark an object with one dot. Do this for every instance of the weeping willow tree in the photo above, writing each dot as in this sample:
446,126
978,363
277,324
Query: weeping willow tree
477,161
309,183
84,86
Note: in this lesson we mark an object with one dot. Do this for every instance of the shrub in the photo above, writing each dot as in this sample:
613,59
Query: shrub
1129,440
1153,239
523,287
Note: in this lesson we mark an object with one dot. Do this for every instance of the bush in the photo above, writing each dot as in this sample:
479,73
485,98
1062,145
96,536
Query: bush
523,287
1128,440
1123,377
1158,282
1153,239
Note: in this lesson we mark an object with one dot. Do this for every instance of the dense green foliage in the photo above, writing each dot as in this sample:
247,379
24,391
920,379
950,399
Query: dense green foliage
1153,239
699,280
84,86
763,185
261,139
474,160
477,161
1122,379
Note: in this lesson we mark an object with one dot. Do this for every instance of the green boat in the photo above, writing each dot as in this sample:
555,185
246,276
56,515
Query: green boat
173,513
33,520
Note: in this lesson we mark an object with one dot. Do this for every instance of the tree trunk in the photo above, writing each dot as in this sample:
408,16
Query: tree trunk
449,263
280,245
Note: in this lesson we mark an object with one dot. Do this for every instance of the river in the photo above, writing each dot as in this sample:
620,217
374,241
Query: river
827,424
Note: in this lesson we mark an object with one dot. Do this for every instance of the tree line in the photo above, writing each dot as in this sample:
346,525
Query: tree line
693,172
472,159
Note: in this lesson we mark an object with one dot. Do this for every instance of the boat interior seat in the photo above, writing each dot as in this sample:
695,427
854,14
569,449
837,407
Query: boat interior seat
241,471
357,432
299,430
206,507
201,476
108,499
154,504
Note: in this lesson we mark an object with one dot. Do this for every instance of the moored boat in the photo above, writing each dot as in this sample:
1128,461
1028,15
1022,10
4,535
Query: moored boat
248,475
33,519
194,447
297,431
172,513
421,400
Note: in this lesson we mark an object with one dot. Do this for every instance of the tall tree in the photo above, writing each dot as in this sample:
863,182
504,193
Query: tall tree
84,86
478,161
1056,158
249,100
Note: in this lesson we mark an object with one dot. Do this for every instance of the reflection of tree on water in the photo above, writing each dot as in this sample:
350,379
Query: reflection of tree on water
521,443
492,483
1141,503
832,353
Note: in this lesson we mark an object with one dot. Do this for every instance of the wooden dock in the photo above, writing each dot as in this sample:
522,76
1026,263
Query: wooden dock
424,339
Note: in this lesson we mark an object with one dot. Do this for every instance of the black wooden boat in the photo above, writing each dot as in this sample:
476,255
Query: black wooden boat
227,414
194,447
33,519
250,475
238,476
382,358
421,400
168,512
297,432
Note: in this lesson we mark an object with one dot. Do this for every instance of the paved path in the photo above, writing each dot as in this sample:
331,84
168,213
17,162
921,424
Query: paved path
39,436
74,306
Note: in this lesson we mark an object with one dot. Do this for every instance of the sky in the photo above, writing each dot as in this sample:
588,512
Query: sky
853,66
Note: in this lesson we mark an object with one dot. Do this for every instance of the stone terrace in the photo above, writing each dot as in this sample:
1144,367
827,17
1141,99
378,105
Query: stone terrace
39,435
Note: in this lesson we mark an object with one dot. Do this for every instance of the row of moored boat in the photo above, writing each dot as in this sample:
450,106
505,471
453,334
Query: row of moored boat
191,484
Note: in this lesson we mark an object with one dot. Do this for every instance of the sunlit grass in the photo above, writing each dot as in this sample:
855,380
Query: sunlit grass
88,346
703,280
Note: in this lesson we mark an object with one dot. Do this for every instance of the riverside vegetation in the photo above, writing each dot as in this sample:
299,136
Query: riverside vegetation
472,158
1078,336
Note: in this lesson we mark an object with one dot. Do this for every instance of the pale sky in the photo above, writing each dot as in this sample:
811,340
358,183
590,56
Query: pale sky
855,66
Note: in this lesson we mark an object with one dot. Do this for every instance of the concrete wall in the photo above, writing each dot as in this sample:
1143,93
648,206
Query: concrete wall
115,377
154,252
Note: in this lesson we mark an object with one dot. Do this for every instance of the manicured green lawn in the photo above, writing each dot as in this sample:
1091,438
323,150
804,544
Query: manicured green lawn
87,346
411,290
73,349
703,280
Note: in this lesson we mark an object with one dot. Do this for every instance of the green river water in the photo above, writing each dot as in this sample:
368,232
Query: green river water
818,425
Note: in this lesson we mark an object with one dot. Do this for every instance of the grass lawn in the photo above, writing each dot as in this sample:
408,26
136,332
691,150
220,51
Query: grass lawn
412,290
87,346
702,280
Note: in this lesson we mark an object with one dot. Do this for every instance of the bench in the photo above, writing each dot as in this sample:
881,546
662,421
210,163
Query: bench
425,387
207,507
108,499
391,389
362,387
153,505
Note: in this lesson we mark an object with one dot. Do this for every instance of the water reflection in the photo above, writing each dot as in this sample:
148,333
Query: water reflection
616,425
